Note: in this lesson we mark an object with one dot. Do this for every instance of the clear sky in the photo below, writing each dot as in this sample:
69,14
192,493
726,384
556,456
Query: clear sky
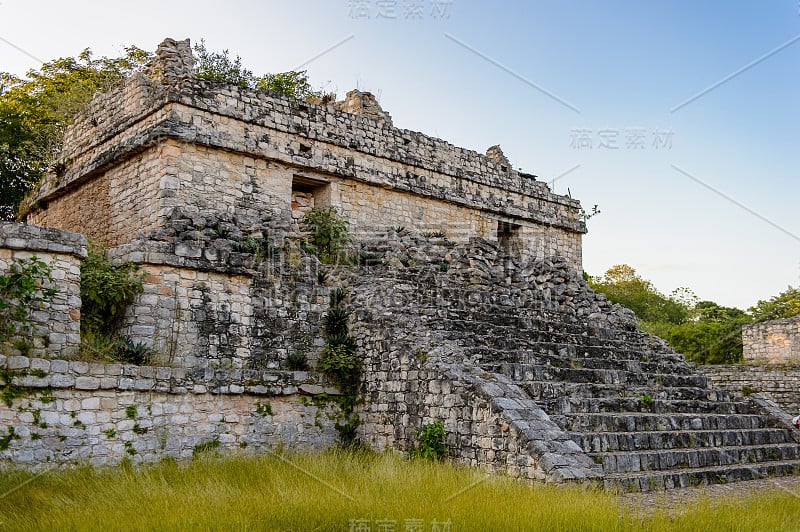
676,118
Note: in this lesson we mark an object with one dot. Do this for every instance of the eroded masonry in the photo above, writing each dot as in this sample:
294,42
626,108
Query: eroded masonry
467,306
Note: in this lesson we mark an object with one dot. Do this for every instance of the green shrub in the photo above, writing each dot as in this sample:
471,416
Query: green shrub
297,361
431,442
335,321
330,236
340,363
106,290
137,353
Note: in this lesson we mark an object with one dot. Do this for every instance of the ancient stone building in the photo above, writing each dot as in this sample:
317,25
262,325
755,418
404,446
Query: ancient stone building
170,143
468,305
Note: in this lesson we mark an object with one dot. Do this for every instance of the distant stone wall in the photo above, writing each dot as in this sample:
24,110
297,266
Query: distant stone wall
76,412
780,381
56,326
772,341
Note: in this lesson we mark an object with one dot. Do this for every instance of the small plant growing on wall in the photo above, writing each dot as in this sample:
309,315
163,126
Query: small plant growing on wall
297,361
340,362
21,291
330,235
431,442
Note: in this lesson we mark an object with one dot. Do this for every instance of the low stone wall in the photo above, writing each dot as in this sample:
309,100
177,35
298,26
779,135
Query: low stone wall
55,327
772,341
780,381
61,411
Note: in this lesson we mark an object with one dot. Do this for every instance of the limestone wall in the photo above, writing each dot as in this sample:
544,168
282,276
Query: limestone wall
772,341
55,327
210,300
780,381
68,412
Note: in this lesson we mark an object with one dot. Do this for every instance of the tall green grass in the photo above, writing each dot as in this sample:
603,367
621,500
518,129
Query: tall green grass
329,490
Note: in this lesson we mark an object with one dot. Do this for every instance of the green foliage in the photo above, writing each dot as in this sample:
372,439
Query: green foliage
34,112
335,321
110,433
341,363
704,331
646,398
258,246
330,236
139,430
297,361
21,291
586,216
704,342
129,352
130,412
621,284
749,390
6,440
206,446
431,442
294,84
263,409
337,296
219,66
106,290
784,305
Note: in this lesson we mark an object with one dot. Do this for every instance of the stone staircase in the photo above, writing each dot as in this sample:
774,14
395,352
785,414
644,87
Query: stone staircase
647,417
625,398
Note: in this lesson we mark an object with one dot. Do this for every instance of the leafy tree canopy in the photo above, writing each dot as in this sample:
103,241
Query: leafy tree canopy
221,66
784,305
34,113
707,333
621,284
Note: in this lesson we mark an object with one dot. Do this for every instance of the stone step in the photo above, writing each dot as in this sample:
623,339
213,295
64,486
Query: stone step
583,359
640,421
594,442
535,372
644,403
698,476
542,390
669,459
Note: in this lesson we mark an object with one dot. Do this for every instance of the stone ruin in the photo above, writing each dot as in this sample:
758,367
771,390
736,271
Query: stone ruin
468,303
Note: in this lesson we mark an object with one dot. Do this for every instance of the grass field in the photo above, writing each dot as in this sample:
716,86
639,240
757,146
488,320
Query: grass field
341,491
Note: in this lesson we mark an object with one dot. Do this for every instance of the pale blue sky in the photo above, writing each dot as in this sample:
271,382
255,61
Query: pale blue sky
544,80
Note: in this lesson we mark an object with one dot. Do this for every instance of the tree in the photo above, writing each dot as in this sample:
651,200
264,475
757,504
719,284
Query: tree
712,335
219,66
621,284
34,113
784,305
704,331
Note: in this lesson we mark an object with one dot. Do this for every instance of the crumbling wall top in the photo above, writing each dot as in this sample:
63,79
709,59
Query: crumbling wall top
364,104
173,62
